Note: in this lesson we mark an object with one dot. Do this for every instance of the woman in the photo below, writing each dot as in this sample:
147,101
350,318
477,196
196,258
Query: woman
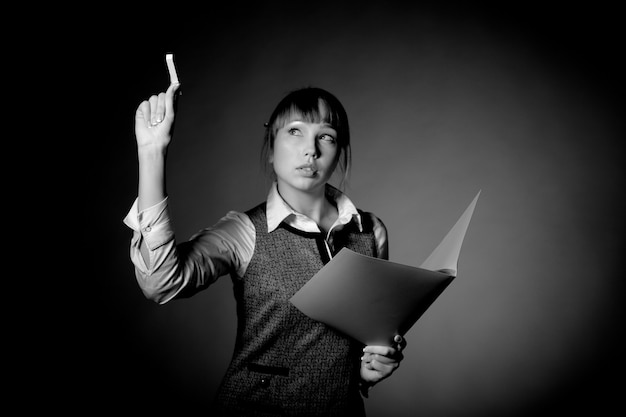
284,363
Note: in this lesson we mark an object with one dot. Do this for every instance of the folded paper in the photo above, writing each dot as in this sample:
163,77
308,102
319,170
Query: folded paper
372,299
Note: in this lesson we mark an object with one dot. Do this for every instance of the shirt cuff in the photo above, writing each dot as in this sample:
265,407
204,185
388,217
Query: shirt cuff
153,223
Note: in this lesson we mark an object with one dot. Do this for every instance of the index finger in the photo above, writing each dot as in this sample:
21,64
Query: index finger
169,98
381,350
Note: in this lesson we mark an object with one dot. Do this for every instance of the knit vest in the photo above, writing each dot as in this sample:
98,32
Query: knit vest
285,363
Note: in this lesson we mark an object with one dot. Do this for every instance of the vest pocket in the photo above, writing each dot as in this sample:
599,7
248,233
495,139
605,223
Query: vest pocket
264,396
270,370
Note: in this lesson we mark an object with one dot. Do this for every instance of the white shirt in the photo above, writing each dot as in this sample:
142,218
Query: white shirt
226,247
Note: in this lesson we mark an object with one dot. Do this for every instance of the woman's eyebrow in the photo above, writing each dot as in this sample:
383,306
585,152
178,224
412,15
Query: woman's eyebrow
299,122
325,124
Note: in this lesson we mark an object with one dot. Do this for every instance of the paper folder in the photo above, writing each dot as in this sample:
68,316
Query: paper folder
372,299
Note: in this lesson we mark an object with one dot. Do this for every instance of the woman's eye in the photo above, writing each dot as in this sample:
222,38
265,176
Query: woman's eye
327,138
294,131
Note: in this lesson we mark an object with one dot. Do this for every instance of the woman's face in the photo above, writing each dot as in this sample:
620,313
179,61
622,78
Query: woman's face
304,155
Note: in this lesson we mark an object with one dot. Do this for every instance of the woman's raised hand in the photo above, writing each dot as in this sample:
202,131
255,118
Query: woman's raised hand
154,119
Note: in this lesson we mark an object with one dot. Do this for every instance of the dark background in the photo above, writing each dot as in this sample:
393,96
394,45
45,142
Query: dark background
523,102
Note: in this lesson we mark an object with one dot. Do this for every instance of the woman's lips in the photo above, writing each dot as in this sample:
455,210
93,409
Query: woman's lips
308,170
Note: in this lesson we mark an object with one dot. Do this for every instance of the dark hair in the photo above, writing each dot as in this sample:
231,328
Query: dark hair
312,105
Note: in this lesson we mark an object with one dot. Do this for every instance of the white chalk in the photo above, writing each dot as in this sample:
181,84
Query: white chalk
169,59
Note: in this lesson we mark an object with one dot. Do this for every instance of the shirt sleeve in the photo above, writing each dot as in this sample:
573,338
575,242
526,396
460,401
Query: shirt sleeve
181,270
152,224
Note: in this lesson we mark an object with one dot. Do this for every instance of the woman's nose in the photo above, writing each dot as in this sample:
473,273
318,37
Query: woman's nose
310,147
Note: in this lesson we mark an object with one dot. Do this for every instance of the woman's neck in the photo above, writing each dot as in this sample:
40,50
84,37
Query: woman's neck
314,205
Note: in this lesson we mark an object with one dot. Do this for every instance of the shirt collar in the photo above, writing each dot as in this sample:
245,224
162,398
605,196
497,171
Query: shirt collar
279,211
